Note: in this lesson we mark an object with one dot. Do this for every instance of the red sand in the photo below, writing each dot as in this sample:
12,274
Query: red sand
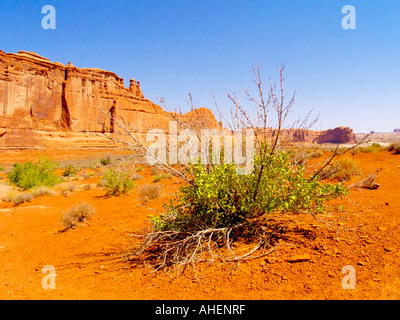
89,259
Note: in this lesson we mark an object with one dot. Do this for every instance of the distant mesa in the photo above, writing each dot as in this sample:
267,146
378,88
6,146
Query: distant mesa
396,130
39,98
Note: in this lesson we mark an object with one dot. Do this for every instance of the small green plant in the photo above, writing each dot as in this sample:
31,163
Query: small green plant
139,169
69,170
149,192
117,182
29,175
76,214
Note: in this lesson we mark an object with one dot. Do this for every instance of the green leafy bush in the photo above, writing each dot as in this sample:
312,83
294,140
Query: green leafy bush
117,182
219,198
29,175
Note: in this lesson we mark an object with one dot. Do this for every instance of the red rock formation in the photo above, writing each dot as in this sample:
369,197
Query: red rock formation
40,95
37,96
337,135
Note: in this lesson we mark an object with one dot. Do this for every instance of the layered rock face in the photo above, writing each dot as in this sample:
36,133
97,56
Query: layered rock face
30,92
337,135
44,104
38,94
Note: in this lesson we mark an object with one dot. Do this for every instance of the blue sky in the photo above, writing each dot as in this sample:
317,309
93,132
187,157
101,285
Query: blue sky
348,77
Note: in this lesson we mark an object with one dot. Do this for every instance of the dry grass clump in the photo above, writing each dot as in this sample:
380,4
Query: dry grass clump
302,155
87,187
136,176
375,147
162,176
76,214
394,147
71,187
21,198
139,169
108,159
149,192
341,170
42,191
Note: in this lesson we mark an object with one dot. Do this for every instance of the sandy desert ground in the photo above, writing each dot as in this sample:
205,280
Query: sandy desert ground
89,259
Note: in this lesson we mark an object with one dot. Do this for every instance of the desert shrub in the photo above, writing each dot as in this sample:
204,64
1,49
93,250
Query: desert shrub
136,176
341,170
154,171
21,198
161,176
375,147
301,156
394,147
76,214
69,170
29,175
149,192
87,187
107,159
221,198
139,169
220,207
71,187
117,182
42,191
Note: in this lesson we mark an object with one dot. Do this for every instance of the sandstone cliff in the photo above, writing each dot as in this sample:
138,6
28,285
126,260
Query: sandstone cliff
38,94
46,104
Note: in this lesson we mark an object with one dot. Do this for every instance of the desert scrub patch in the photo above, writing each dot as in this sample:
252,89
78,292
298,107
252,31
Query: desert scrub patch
87,187
394,147
29,174
117,182
136,176
375,147
69,170
42,191
161,176
149,192
76,214
220,207
20,198
108,159
303,155
139,169
71,187
342,170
